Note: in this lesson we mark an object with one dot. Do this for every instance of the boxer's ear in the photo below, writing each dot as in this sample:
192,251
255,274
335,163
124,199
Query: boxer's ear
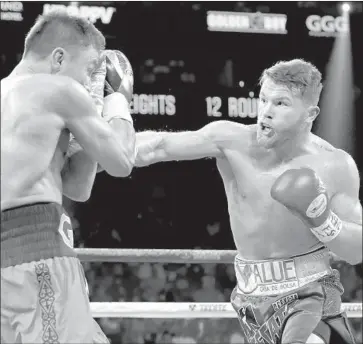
313,112
57,59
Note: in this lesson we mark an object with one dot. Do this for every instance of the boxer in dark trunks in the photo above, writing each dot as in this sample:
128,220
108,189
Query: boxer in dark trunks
291,197
43,101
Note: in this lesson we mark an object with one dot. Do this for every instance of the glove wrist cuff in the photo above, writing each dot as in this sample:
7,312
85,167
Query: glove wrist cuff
116,106
330,229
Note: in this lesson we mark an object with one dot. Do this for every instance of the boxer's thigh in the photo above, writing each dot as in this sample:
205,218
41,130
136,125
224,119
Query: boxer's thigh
75,321
315,339
341,331
18,302
98,335
299,327
52,304
320,335
7,333
332,330
304,317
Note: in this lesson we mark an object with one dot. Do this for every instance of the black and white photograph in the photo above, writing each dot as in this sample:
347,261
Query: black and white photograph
183,172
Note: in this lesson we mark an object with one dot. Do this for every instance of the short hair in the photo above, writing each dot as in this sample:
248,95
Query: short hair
60,29
297,75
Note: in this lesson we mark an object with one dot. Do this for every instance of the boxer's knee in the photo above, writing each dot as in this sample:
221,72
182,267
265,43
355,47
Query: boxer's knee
315,339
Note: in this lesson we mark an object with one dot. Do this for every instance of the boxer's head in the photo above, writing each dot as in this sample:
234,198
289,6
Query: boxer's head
289,97
65,44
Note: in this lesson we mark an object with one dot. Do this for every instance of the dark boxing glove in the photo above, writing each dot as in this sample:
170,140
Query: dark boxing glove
119,79
119,75
303,193
97,86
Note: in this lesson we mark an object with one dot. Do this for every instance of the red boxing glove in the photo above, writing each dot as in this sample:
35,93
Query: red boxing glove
303,193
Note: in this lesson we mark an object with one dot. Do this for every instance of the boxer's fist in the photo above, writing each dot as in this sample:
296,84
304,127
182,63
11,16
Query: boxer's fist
303,193
119,75
97,85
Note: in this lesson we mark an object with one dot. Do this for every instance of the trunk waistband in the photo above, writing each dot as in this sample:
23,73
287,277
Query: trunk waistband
278,276
34,232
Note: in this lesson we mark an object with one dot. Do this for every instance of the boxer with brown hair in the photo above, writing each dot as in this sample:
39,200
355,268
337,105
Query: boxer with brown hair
292,198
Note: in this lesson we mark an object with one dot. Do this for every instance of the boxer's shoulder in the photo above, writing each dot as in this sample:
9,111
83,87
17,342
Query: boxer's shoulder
56,86
321,146
336,161
323,153
334,166
57,94
223,127
342,158
37,87
227,133
345,171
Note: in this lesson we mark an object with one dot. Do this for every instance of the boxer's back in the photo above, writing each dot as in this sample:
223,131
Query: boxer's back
33,142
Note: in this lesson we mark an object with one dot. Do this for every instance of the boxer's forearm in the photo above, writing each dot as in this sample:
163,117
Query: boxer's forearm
117,113
127,136
126,133
157,146
348,244
78,175
149,147
154,147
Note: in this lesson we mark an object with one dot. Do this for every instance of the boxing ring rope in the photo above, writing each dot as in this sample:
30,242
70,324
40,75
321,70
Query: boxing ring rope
155,256
170,309
185,310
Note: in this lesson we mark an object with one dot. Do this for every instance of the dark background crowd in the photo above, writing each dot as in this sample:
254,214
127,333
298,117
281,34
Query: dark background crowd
180,65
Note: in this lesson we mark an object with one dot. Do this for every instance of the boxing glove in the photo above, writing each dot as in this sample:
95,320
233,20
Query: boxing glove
97,85
303,193
119,78
119,75
96,91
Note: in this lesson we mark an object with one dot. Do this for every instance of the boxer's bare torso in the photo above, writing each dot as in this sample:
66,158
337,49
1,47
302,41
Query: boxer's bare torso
263,228
33,143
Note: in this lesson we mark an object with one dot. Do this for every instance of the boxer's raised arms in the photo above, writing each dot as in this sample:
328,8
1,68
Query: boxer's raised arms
35,111
92,132
43,101
119,79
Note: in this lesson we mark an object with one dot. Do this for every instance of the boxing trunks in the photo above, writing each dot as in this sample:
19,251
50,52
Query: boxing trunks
44,295
286,300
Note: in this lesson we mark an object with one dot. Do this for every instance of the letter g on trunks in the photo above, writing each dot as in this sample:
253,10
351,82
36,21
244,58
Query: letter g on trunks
66,231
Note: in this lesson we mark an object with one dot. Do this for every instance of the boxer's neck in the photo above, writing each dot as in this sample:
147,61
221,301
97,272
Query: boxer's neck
293,147
30,66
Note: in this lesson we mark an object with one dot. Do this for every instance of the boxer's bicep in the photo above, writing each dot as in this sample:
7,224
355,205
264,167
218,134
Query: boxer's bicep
345,201
207,142
348,244
153,147
188,145
358,213
348,208
78,173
